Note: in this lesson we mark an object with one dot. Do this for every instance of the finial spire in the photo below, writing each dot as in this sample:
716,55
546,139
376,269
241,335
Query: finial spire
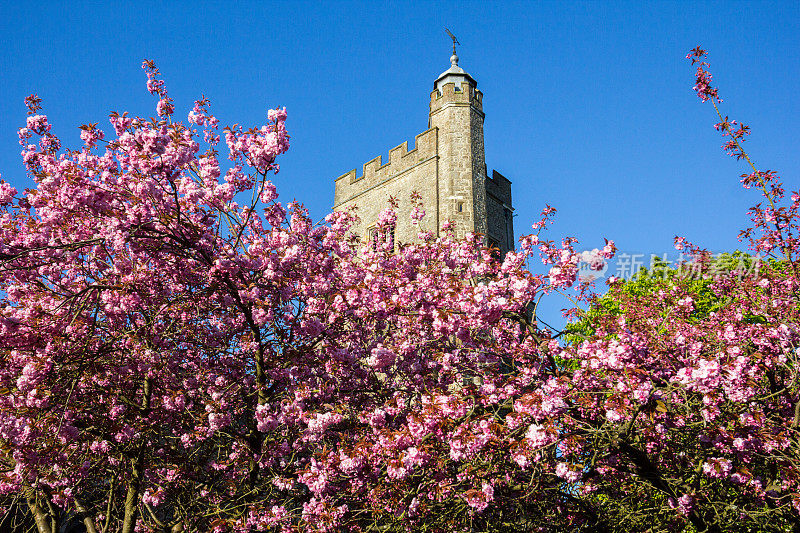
454,74
454,58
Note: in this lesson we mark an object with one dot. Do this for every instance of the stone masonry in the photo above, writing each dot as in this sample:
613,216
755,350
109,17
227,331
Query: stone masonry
446,167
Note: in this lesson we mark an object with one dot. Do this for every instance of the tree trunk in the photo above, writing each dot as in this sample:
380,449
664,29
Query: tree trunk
40,516
132,496
83,514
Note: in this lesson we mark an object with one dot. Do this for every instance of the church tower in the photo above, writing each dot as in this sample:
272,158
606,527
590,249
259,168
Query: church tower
446,167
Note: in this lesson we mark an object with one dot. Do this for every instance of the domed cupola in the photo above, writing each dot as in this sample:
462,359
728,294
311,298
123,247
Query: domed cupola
454,74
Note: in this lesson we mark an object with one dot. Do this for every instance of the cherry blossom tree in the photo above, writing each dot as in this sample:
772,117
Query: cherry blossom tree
181,351
682,405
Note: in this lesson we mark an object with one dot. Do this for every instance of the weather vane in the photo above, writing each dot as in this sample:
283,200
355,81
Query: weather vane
455,41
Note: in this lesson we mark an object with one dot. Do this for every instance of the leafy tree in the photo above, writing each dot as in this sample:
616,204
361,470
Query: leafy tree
697,277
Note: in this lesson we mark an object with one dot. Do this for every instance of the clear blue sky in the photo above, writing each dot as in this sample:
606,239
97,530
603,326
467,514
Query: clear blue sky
588,106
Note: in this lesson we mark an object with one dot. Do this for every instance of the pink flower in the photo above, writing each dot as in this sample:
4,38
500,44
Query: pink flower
38,124
7,193
565,471
380,358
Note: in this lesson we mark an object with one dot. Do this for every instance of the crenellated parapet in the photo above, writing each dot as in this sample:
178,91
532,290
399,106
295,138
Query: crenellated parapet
463,93
499,187
375,171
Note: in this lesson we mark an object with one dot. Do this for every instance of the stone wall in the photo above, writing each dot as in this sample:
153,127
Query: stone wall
499,212
406,171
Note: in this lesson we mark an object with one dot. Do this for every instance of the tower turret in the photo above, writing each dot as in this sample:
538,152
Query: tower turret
456,111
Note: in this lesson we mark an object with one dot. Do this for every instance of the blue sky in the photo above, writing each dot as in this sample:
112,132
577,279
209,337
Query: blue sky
588,105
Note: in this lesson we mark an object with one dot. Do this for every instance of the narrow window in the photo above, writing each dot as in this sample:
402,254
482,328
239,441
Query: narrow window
372,237
376,236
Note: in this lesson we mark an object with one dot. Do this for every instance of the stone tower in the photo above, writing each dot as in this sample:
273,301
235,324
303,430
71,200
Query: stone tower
446,167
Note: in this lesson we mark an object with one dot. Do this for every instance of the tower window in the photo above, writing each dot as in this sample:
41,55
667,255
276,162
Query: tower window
460,207
376,236
373,238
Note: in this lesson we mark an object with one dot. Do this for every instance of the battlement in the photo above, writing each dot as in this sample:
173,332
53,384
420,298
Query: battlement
449,93
499,186
375,171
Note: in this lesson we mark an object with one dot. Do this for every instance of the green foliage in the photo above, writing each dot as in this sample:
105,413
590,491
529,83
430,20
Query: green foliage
695,278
